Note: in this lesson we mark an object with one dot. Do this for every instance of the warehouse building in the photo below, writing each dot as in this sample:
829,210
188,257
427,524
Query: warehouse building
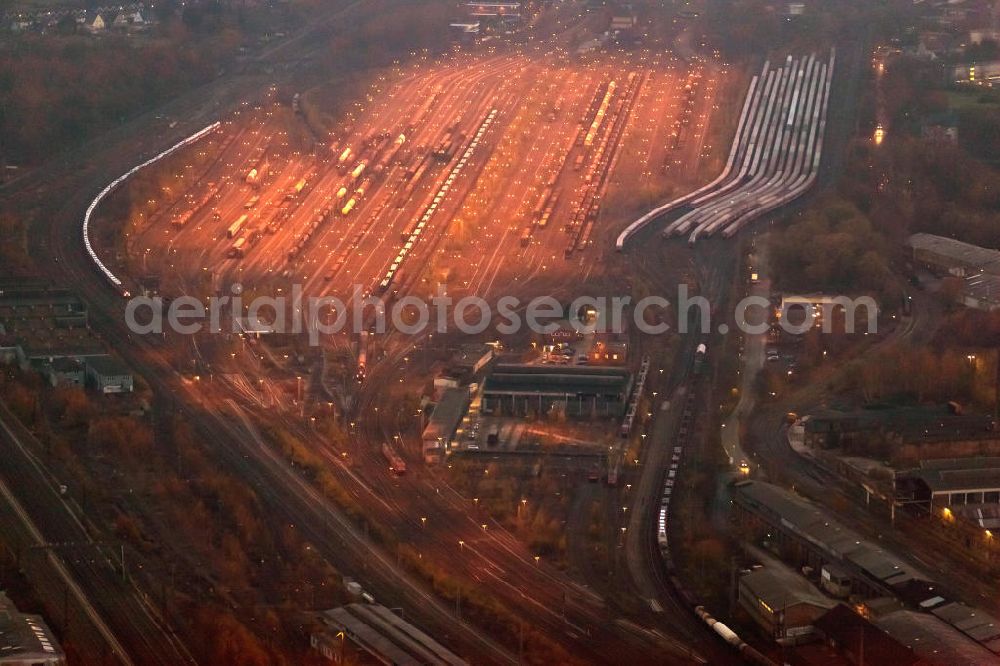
810,537
64,372
376,633
443,424
469,359
937,640
947,256
581,391
45,322
784,604
861,642
494,16
952,482
981,291
891,432
26,639
107,374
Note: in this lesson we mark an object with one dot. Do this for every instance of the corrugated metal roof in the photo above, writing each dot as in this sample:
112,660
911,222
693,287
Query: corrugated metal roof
963,254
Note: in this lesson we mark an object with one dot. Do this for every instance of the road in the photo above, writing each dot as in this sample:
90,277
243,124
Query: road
752,361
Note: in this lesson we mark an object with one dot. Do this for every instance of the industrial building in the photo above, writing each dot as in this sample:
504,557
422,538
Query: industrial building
861,642
469,359
581,391
107,374
26,639
465,32
858,315
947,256
381,635
812,538
45,322
977,72
952,482
494,16
981,292
808,536
443,424
885,433
64,372
783,603
939,641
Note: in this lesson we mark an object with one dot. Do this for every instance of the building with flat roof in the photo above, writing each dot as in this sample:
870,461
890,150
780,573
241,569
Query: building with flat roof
65,372
46,322
107,374
494,9
583,391
381,634
26,640
443,424
464,31
469,359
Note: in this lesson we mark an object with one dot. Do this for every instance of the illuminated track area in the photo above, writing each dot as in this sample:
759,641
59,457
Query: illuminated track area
475,170
774,157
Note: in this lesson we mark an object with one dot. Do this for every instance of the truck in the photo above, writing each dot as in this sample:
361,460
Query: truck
235,227
252,201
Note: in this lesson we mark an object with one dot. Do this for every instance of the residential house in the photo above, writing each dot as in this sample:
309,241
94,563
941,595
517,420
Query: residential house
94,22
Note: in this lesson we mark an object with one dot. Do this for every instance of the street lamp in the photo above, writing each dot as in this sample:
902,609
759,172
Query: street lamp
423,521
461,544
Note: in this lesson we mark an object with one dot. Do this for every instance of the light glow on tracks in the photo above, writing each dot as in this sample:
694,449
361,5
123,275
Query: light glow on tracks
778,146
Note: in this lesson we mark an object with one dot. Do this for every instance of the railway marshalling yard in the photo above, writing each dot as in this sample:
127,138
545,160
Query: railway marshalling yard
494,172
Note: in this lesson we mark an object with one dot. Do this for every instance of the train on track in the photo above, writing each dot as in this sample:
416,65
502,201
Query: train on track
671,476
116,282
